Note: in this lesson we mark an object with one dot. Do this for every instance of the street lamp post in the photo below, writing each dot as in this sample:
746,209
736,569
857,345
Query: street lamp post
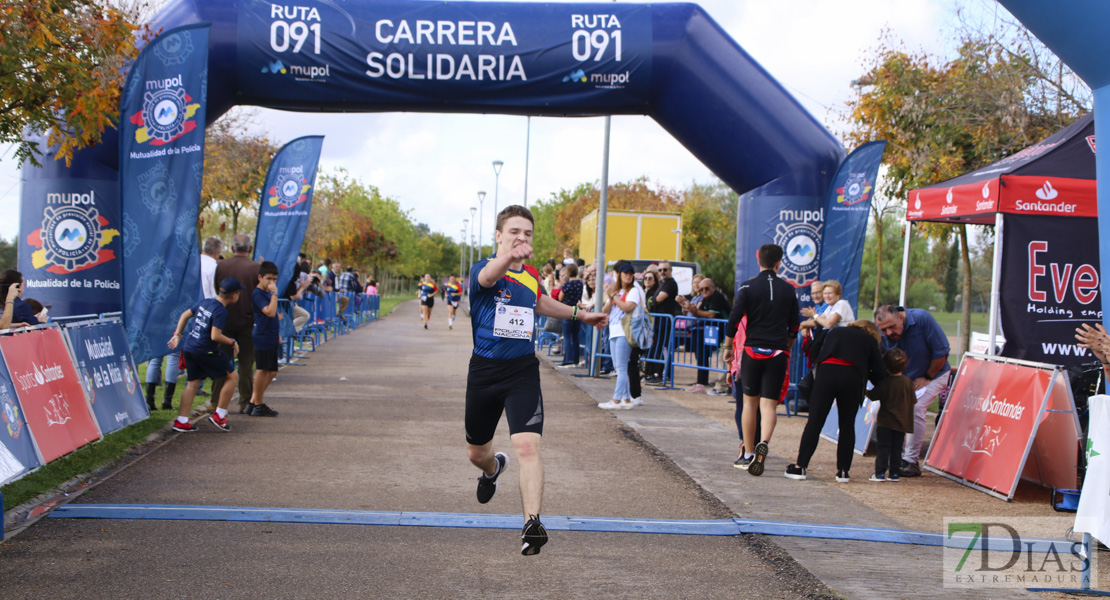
473,209
497,164
481,201
462,255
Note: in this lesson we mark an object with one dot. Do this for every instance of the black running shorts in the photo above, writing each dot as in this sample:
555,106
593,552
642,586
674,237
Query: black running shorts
266,360
429,301
763,377
213,365
494,386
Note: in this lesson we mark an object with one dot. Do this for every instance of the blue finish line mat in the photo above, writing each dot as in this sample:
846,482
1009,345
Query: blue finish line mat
719,527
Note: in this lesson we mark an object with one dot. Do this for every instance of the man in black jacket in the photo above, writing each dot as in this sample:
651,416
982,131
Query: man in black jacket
771,306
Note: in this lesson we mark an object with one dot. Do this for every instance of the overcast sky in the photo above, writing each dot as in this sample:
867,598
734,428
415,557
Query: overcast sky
434,164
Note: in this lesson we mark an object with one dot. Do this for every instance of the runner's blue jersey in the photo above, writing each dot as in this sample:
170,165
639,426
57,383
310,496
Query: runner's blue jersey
452,292
516,288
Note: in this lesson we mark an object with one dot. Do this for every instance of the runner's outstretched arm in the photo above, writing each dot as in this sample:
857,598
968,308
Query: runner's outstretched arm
549,307
496,268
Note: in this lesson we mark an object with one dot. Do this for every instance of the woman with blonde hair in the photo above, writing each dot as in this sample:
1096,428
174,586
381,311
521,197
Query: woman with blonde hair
849,356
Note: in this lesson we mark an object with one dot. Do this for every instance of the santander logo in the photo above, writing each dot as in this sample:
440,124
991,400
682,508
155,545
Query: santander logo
917,202
948,197
986,190
1047,192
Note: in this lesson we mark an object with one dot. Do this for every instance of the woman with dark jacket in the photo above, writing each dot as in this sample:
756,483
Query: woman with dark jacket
848,357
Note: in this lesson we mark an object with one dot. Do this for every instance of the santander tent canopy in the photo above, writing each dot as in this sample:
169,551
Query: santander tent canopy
1043,203
1055,176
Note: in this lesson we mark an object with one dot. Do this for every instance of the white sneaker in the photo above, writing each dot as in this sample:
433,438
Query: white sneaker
638,401
610,405
627,405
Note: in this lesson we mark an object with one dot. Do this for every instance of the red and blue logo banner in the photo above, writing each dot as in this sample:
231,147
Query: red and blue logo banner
17,449
793,222
286,204
106,369
847,207
69,258
49,392
161,169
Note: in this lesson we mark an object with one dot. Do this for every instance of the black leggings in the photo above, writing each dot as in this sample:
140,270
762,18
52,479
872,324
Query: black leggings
660,338
842,384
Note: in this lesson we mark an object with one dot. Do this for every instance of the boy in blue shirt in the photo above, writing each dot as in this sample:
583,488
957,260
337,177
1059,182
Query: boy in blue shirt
264,301
203,359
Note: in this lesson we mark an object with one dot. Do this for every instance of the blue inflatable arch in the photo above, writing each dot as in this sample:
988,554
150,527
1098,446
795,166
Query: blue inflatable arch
669,61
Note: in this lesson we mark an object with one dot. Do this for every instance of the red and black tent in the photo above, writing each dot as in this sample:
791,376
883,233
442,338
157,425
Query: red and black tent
1042,201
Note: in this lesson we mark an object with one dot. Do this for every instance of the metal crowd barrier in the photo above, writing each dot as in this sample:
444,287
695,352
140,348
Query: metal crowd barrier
691,343
700,341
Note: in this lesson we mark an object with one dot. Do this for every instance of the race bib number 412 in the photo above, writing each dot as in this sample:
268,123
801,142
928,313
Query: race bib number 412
515,322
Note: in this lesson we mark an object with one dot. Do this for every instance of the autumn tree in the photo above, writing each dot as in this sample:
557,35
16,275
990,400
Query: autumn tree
945,117
235,164
341,226
708,221
62,68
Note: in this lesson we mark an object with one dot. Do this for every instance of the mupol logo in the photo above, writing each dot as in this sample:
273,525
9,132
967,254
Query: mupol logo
274,67
1047,192
577,75
801,242
611,80
77,234
856,189
803,251
72,238
167,112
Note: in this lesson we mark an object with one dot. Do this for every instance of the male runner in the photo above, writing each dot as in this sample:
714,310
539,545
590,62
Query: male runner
504,372
771,307
452,293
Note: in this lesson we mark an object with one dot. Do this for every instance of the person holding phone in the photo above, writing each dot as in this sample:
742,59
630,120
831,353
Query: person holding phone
22,313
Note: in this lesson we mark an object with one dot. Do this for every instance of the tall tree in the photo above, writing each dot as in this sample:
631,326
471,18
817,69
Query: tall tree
709,232
62,65
942,118
9,250
235,164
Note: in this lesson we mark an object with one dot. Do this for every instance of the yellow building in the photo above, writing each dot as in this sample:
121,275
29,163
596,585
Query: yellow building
633,234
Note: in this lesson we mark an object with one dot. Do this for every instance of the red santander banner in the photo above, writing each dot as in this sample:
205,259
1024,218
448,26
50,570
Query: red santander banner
988,420
49,391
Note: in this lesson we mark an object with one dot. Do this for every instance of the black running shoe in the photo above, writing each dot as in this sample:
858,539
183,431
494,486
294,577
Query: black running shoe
795,472
487,486
262,410
761,450
533,537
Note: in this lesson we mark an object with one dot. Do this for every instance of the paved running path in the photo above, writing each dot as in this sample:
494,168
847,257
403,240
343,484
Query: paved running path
390,438
705,450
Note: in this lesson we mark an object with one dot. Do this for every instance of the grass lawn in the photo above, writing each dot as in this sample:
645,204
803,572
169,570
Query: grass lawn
388,303
948,321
